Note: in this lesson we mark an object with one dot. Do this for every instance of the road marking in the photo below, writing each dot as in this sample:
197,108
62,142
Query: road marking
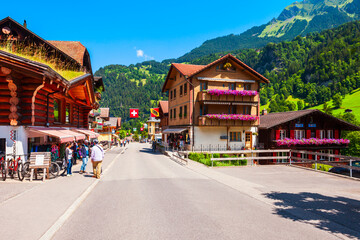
62,219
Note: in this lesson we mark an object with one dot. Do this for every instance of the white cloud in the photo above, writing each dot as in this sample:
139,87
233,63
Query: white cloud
140,54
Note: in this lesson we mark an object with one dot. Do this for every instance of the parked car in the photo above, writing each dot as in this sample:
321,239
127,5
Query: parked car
345,170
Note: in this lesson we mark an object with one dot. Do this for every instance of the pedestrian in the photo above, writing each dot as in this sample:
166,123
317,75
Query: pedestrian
124,142
69,158
84,152
153,146
97,155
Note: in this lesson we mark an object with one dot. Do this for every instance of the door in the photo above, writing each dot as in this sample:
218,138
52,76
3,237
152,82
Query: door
248,140
2,146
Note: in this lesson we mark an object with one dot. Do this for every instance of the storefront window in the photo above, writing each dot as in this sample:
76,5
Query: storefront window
67,119
56,110
235,136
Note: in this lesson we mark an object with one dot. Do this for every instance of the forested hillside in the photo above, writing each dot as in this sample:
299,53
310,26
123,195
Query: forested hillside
313,68
300,18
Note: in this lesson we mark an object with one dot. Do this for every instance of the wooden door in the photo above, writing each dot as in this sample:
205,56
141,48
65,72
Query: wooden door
248,140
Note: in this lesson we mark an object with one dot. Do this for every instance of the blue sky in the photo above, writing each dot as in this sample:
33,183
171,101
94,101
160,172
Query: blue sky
126,32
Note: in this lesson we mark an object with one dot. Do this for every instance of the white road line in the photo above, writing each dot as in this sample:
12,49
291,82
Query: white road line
61,220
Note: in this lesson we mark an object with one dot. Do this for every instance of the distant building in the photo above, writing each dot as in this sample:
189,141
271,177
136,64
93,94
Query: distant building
324,131
153,127
214,105
164,115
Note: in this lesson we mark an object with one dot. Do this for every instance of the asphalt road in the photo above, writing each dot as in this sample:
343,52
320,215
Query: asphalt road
149,196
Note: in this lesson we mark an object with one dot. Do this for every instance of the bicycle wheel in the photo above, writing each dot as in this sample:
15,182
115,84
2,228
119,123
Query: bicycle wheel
54,169
20,171
11,167
3,170
26,169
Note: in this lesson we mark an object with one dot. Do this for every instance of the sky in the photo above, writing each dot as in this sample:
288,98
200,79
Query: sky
128,32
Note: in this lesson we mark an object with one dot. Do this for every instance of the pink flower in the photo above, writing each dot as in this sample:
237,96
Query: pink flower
218,92
232,117
311,141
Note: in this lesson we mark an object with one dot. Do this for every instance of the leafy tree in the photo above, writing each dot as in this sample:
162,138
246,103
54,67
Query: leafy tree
327,109
337,100
354,146
136,137
300,104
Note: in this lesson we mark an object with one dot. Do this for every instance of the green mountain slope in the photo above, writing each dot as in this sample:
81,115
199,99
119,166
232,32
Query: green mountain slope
300,18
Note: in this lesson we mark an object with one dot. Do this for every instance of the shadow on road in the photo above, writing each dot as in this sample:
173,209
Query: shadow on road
149,150
325,210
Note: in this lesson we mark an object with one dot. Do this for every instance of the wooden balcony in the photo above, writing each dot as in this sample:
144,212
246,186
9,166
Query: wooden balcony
223,99
204,121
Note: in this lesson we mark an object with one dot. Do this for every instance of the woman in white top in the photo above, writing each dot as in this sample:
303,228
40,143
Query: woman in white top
68,157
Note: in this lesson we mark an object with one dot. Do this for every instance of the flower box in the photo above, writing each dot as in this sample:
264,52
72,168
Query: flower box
218,92
232,117
311,141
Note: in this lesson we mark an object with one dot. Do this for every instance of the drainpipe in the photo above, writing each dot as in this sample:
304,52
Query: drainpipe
193,111
47,107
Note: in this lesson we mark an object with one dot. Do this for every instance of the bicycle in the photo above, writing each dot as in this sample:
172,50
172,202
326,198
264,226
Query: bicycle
15,165
3,168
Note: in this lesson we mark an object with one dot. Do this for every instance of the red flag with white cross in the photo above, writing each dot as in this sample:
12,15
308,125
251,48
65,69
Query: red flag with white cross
134,113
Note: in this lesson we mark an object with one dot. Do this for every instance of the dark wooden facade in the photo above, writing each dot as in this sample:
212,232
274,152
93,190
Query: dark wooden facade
311,124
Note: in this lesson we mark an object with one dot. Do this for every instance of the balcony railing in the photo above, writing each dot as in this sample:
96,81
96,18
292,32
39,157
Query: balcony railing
205,121
205,96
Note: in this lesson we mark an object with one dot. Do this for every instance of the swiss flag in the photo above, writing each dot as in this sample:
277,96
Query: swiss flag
134,113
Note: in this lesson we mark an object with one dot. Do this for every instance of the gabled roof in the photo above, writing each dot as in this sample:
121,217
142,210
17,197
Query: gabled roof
164,105
114,122
189,70
72,48
104,112
271,120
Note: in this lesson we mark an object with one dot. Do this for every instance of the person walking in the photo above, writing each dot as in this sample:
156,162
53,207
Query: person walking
69,158
84,152
153,146
97,155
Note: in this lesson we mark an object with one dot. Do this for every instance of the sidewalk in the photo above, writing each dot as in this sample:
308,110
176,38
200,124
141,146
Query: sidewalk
36,206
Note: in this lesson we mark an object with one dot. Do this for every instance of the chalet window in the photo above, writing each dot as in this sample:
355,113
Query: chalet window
174,113
180,113
322,157
185,111
57,110
185,88
232,86
181,90
330,152
282,134
68,113
330,134
171,95
232,110
246,110
235,136
247,87
203,110
174,93
313,134
203,86
299,134
171,113
322,134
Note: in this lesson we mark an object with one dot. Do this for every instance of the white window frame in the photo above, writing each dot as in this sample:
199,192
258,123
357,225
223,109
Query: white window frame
282,134
330,134
299,134
330,151
322,134
323,157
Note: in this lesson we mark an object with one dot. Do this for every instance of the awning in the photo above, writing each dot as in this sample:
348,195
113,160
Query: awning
53,132
77,135
174,130
89,133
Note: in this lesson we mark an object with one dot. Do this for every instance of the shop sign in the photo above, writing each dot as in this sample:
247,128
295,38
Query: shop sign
39,160
312,125
299,125
223,137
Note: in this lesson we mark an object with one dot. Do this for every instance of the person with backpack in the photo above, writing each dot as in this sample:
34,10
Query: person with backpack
97,156
84,154
69,158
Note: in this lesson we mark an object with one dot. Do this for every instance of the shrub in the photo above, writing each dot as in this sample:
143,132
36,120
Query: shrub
225,156
216,155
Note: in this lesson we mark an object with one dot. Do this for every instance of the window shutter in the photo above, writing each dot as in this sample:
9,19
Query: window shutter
277,134
292,134
308,134
318,134
299,155
275,154
310,156
336,152
336,134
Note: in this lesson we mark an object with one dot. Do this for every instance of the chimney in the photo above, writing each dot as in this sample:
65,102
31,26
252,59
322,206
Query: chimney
25,25
264,112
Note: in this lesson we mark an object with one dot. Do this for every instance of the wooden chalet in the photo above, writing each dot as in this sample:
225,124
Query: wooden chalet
310,130
38,104
163,114
216,104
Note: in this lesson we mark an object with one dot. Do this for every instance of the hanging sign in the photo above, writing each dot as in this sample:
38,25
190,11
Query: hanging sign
312,125
141,129
299,125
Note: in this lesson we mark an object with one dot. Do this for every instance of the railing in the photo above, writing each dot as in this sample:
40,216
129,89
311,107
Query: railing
204,121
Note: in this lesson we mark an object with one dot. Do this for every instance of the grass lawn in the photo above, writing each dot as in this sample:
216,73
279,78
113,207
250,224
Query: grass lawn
290,98
351,101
